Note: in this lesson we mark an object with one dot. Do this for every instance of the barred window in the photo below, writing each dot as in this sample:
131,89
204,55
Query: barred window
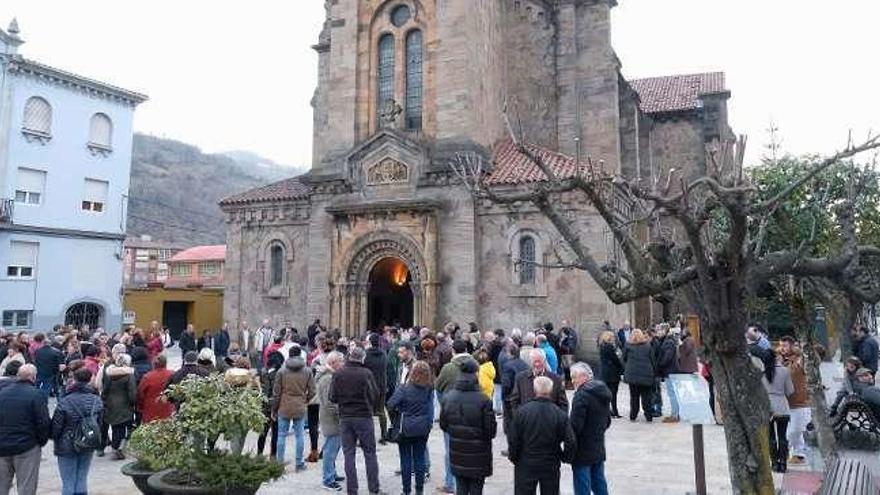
414,80
527,260
385,75
37,115
276,265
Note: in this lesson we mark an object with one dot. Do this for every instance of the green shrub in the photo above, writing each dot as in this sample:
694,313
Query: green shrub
159,445
226,470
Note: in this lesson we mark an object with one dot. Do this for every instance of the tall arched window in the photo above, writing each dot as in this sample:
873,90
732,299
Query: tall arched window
385,76
527,260
37,115
414,79
276,265
101,130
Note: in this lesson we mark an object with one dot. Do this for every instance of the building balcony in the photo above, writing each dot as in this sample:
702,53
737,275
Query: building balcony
7,206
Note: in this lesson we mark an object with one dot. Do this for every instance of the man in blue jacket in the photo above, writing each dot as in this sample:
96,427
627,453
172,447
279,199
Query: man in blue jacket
24,429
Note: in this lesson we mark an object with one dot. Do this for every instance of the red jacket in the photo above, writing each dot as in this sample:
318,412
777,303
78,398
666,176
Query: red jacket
150,391
154,347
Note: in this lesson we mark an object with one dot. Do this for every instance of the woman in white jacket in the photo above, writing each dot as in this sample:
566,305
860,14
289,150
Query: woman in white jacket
777,381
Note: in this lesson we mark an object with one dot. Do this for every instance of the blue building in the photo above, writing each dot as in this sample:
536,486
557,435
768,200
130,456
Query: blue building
65,158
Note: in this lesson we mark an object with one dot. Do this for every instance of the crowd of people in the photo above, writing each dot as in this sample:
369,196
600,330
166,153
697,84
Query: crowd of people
461,380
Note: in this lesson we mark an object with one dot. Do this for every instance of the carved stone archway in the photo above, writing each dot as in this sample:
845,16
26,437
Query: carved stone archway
352,283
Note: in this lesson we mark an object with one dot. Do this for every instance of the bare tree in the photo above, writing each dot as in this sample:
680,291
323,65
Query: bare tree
720,261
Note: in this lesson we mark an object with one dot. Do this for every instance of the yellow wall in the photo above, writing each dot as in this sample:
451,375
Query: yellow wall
205,310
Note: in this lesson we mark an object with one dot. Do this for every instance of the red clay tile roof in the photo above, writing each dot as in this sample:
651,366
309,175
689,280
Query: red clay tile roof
286,189
201,253
677,93
513,167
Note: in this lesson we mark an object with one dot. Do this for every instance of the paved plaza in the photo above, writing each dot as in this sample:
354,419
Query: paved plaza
642,459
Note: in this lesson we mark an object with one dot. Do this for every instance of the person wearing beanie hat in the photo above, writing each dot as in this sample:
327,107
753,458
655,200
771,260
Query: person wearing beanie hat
468,419
292,390
355,393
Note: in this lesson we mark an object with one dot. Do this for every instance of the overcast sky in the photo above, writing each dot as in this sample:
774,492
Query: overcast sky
239,75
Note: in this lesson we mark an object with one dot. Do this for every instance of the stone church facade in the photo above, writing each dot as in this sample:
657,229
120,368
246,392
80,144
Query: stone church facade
381,230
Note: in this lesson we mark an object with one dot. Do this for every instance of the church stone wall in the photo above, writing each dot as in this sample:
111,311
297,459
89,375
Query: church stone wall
530,38
558,294
249,232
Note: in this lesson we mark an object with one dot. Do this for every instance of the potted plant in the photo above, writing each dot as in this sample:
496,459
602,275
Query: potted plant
208,409
156,446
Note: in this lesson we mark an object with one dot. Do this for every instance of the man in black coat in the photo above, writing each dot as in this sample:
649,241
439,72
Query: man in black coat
187,340
590,418
466,416
523,388
513,365
377,362
222,341
48,360
354,391
24,429
865,348
538,431
667,364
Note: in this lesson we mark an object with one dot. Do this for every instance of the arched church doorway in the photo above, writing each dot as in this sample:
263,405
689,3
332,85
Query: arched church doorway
390,295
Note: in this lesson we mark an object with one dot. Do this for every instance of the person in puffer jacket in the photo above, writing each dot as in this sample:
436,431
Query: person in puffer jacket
119,391
79,403
414,402
467,417
294,387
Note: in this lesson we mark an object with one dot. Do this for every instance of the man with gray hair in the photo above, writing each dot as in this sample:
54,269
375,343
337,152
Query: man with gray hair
540,438
590,417
354,392
523,387
24,429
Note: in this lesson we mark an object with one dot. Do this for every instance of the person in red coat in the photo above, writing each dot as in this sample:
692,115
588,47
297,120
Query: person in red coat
149,399
155,346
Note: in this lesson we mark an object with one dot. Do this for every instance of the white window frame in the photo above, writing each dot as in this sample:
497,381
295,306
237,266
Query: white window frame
14,315
99,146
92,206
33,133
209,268
14,271
28,194
181,270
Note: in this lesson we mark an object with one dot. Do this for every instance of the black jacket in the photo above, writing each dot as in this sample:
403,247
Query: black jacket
377,362
80,401
466,416
185,371
667,357
611,366
638,364
140,361
866,351
186,343
524,391
512,367
354,390
590,417
538,429
415,406
48,359
24,421
221,343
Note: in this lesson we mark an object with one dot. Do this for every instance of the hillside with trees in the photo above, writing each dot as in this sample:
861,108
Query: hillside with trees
175,188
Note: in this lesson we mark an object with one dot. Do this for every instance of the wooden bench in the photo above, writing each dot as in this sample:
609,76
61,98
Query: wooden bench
849,477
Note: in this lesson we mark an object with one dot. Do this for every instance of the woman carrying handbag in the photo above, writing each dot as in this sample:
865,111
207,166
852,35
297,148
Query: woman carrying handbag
414,404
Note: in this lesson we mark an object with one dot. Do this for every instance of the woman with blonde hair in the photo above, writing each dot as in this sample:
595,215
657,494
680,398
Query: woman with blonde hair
414,403
639,371
611,367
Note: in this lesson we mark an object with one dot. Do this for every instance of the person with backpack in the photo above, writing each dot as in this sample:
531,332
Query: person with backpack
76,432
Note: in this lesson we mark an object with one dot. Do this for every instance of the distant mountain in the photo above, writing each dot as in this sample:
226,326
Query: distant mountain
175,188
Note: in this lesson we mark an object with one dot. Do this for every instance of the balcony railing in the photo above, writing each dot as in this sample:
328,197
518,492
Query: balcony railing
6,208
